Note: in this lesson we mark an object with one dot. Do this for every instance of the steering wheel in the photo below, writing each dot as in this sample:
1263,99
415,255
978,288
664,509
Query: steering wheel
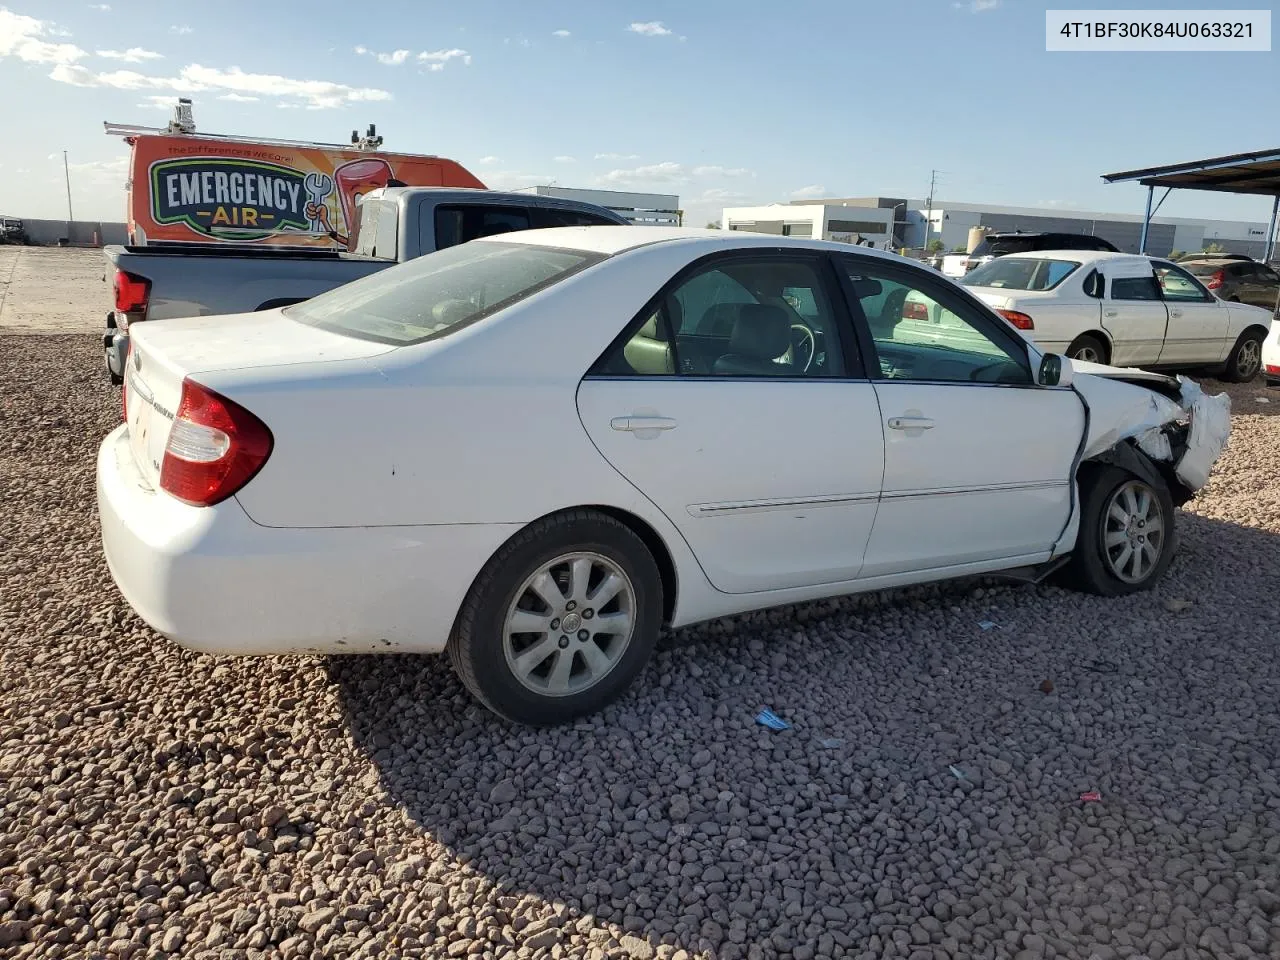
977,373
807,345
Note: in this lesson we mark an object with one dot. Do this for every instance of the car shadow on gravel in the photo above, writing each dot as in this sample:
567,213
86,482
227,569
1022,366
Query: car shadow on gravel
941,738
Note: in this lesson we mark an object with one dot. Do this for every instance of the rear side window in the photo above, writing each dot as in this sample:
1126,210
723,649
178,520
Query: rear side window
556,217
459,223
434,295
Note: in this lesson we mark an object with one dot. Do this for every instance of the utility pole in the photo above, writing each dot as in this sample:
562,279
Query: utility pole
928,217
66,169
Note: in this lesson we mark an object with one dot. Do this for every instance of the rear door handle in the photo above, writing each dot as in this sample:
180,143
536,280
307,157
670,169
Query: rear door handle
1175,313
642,424
910,423
1111,313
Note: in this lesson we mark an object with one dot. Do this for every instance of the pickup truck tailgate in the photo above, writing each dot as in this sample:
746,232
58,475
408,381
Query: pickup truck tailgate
162,353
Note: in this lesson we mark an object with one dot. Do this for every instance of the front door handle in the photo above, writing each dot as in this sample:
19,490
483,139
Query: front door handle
910,423
1175,313
642,425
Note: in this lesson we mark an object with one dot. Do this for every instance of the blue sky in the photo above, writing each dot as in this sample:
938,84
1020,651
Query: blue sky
725,102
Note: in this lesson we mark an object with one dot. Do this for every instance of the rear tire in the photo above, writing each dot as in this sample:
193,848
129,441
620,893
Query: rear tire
1246,358
560,621
1088,348
1126,540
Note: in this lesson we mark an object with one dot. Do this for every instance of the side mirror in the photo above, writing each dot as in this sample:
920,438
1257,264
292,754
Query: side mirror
1055,371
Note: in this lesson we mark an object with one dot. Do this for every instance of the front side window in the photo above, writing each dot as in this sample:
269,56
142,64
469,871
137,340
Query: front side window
923,332
455,224
1177,284
753,317
443,291
1266,274
1020,273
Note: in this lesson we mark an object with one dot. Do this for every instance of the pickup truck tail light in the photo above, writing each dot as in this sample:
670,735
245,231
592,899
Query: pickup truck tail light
1019,320
914,310
1216,281
215,447
132,293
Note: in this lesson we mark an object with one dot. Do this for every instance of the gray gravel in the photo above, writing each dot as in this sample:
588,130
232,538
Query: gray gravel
161,803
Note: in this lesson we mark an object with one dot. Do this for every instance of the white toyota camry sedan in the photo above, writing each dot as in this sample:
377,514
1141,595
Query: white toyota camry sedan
534,451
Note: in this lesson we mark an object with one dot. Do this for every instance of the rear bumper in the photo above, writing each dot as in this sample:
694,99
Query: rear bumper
212,580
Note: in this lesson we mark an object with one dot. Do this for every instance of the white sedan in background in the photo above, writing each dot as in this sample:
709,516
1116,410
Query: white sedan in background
533,451
1123,309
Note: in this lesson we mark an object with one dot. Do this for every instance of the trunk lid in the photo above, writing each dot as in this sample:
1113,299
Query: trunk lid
162,353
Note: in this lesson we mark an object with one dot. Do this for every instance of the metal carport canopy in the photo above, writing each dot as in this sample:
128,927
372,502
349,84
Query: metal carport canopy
1249,173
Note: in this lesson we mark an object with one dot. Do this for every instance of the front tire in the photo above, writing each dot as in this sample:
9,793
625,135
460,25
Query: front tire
1246,358
1126,540
560,621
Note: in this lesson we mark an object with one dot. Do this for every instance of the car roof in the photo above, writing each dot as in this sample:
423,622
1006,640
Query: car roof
1081,256
611,240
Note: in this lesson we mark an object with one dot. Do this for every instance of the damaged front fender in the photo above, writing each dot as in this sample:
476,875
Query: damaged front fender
1184,435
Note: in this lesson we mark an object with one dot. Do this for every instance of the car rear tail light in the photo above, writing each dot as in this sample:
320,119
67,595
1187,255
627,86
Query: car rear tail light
1216,281
915,311
1019,320
215,447
1272,369
132,293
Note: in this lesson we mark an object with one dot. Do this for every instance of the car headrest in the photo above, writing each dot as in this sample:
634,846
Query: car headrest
761,332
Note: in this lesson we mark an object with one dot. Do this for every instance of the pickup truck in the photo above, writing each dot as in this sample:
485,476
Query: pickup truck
160,281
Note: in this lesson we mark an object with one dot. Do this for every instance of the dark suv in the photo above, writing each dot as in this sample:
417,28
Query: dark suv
1237,279
1002,244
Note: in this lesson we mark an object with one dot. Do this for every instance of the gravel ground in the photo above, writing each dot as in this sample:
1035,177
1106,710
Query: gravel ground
159,802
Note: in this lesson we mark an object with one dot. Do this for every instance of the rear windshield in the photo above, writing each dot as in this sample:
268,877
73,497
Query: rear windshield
1003,246
434,295
1203,269
1020,273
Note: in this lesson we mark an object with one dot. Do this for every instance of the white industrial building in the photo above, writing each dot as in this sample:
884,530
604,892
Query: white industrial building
895,222
644,209
818,219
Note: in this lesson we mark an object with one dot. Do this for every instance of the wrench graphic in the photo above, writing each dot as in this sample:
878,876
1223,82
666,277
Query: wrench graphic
318,187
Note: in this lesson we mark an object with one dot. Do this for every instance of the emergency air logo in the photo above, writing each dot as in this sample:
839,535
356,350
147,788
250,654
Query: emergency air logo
227,198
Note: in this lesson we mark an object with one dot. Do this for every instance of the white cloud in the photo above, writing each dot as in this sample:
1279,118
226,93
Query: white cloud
104,7
565,159
720,195
132,55
977,6
238,98
666,172
21,37
435,60
489,161
717,171
101,171
510,180
810,192
181,30
393,59
654,28
562,34
617,156
315,94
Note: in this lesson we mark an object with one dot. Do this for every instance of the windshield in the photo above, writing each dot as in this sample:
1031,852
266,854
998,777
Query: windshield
1020,273
441,292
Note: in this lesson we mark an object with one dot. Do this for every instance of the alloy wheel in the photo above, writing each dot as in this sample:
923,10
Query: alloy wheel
569,624
1133,531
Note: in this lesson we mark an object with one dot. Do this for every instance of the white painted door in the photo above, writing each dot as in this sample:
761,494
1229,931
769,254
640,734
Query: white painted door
1198,321
735,412
1133,312
978,460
